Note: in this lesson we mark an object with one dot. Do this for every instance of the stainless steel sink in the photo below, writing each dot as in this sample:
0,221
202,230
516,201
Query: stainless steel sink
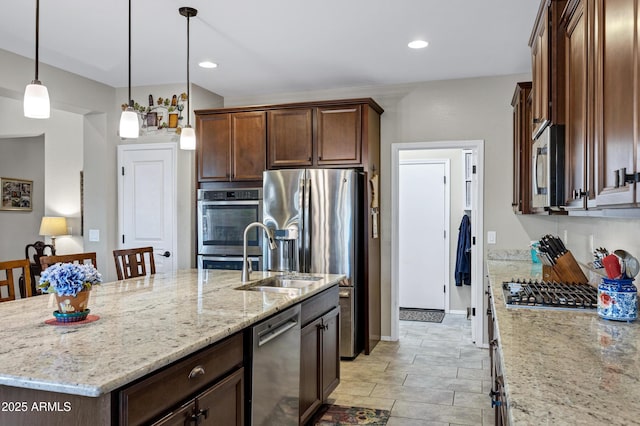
281,283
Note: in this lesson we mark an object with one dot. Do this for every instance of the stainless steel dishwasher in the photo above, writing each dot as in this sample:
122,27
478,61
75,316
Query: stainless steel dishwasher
275,378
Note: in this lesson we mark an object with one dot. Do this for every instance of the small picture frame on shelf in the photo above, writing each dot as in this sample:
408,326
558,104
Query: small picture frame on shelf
16,194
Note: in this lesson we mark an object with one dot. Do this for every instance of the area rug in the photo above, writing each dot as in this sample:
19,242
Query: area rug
334,415
425,315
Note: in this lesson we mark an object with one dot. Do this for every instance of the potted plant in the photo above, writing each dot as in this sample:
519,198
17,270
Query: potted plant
71,283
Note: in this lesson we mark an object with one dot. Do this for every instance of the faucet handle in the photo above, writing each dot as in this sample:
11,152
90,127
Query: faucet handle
249,269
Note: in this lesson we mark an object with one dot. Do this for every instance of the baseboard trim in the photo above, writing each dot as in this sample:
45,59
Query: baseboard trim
387,339
457,312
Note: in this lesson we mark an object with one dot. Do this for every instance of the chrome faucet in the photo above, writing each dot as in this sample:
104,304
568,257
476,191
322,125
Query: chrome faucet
246,264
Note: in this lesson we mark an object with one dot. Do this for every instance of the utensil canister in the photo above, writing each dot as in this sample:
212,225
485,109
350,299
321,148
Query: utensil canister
618,299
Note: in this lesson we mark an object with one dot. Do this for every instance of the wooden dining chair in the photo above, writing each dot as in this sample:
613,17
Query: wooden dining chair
34,252
46,261
8,267
130,263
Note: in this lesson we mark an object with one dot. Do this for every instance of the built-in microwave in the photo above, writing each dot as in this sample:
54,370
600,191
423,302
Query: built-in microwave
548,169
223,216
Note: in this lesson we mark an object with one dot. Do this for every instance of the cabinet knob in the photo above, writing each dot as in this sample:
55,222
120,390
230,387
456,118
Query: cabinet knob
198,370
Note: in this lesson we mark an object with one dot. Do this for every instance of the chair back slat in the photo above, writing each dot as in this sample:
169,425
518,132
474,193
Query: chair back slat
8,267
131,263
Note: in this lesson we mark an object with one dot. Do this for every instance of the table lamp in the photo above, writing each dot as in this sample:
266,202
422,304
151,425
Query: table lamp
53,227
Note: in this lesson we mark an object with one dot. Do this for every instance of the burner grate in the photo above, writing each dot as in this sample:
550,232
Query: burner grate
522,293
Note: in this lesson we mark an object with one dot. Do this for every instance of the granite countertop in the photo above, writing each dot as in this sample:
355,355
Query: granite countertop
145,324
564,367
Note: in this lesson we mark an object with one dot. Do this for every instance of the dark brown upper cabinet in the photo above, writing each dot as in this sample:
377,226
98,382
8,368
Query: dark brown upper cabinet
231,146
290,137
547,66
579,170
615,62
521,103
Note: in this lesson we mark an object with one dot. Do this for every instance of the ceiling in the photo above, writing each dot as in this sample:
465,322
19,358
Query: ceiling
275,46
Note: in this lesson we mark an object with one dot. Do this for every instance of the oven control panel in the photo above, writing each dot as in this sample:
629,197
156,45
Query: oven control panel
230,195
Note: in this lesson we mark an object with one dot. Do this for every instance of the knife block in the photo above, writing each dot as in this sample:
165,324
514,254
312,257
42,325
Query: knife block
566,270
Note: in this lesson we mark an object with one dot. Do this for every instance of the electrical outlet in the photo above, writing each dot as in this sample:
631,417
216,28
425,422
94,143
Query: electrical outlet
491,237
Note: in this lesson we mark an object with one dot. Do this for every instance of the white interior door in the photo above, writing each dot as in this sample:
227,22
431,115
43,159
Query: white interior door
423,240
147,198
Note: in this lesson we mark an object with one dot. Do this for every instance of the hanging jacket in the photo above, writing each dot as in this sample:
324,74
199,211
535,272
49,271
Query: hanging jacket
463,256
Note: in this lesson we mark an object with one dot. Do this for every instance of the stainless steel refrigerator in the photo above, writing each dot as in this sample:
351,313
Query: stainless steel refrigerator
315,215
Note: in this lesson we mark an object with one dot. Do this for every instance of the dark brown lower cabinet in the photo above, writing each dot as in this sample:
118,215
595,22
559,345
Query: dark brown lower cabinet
497,394
221,405
207,385
319,361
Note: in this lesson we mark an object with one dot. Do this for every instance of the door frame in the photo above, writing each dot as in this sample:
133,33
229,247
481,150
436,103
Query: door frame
447,217
173,147
478,321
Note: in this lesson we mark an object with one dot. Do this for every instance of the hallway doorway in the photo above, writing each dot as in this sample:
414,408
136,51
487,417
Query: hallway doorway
457,299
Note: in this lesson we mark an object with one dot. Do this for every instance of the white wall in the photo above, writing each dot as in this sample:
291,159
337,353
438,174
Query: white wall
19,228
62,162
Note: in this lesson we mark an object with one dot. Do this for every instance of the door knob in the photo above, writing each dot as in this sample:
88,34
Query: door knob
165,254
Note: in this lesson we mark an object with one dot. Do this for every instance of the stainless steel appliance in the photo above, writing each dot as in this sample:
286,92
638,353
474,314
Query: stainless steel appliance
275,378
228,262
222,217
321,207
548,169
549,295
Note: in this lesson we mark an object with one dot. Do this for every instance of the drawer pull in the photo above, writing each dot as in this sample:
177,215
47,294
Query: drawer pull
198,370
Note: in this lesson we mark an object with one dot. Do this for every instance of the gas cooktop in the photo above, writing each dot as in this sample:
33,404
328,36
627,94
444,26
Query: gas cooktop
549,295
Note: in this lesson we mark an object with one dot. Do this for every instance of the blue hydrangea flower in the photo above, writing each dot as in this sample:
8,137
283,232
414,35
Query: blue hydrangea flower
68,279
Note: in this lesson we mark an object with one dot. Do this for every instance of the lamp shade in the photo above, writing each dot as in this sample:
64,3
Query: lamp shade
53,226
129,127
36,101
188,138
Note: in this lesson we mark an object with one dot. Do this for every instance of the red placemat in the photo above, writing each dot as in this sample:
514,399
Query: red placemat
87,320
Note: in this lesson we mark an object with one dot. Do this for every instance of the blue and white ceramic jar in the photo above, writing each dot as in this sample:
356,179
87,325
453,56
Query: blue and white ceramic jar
618,300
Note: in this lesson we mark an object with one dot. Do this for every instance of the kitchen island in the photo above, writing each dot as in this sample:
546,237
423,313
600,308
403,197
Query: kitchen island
72,372
563,367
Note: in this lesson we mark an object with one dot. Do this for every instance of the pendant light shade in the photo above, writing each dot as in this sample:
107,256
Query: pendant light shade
188,135
188,139
36,95
36,101
129,127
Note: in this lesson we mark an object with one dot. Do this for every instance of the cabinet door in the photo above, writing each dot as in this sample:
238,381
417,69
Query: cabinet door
220,405
248,145
213,137
615,50
578,153
540,73
521,149
339,135
310,391
330,352
290,140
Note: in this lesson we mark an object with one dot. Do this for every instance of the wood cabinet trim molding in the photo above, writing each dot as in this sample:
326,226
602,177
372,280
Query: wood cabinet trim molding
312,104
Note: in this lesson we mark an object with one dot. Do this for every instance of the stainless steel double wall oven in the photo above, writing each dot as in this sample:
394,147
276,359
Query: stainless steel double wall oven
223,214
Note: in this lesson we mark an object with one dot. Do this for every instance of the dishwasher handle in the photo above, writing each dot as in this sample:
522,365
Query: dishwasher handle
270,334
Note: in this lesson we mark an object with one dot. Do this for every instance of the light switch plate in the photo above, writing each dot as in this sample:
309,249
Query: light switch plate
491,237
94,235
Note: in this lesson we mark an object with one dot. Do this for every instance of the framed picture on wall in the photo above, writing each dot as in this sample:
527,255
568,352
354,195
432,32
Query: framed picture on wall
16,194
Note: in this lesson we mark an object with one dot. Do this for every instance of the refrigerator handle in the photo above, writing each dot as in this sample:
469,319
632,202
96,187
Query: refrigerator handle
306,231
301,195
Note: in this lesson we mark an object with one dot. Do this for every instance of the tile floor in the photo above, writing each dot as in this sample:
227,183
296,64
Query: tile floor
432,376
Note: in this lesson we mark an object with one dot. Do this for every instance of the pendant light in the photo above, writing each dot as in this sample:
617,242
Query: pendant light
129,127
188,134
36,96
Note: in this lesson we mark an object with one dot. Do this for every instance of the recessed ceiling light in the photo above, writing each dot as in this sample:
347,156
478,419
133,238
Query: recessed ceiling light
418,44
208,64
